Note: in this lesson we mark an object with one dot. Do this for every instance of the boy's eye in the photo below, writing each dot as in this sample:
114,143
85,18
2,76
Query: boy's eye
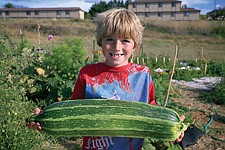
109,39
126,41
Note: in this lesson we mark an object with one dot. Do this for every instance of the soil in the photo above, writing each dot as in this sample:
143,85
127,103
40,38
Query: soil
190,99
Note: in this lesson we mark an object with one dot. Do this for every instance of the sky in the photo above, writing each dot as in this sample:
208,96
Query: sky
203,5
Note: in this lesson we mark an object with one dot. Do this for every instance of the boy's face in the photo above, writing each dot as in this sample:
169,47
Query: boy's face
117,50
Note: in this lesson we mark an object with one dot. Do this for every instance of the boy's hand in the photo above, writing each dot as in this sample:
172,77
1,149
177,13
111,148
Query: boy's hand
35,125
182,117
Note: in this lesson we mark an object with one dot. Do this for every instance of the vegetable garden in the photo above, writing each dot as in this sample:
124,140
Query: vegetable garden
30,79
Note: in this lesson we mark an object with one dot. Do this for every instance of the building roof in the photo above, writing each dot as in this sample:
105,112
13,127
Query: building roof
40,9
189,9
153,1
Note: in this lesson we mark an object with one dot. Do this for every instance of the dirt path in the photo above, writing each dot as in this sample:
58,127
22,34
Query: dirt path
190,98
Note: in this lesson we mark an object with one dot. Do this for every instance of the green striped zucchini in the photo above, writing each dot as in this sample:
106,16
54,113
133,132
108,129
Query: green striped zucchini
118,118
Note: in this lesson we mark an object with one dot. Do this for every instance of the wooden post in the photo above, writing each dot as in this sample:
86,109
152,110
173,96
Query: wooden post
137,60
93,47
202,53
147,61
171,77
39,35
205,69
3,14
143,61
131,60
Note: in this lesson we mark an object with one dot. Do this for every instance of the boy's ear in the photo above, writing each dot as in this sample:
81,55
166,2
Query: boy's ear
135,47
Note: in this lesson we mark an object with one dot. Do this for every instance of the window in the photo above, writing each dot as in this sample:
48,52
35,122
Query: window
28,13
174,4
36,13
67,12
58,12
147,14
159,14
147,5
173,14
134,5
7,13
186,13
160,4
0,13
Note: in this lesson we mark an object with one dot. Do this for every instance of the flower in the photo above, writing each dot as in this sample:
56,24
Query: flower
50,37
59,98
40,71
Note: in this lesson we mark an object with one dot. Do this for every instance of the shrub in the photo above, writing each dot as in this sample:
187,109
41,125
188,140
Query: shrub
216,95
216,69
14,108
52,76
218,31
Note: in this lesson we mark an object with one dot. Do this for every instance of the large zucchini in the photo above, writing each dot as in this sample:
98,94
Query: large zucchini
118,118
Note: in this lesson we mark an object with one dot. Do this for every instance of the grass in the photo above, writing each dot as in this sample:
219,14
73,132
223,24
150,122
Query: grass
160,37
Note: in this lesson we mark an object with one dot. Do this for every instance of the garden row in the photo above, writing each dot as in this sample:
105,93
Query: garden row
31,79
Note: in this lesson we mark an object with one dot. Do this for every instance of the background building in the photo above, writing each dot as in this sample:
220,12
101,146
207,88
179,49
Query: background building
162,10
67,12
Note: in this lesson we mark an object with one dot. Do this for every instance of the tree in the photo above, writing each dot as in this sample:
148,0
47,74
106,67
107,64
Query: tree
97,8
9,5
103,6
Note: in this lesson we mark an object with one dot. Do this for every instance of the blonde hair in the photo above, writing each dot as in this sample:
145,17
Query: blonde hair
121,22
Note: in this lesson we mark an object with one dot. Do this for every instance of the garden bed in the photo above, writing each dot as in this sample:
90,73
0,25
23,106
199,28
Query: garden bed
190,99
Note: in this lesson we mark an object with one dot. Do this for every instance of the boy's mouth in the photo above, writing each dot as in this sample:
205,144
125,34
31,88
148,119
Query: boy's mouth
115,55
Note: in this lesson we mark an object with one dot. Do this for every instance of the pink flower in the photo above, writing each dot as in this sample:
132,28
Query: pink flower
50,37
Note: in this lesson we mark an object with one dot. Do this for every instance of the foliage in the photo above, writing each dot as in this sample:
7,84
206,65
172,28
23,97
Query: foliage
218,31
52,76
219,13
103,6
14,105
156,145
217,69
9,5
161,83
216,95
97,8
14,108
65,59
203,17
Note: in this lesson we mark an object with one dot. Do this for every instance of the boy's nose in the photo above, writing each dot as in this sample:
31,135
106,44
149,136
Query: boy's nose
118,45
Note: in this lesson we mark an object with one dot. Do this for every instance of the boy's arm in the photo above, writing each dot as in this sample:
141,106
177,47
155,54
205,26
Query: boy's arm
151,99
79,88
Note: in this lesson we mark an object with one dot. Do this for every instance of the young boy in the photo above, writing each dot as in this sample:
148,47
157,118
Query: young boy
119,33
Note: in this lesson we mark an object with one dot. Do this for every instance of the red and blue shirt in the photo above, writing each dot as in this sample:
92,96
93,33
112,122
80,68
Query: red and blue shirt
130,82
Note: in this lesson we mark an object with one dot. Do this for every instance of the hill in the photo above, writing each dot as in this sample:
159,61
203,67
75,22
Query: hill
197,39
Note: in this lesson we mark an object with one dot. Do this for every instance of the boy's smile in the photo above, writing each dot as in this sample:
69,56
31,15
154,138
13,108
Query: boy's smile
116,55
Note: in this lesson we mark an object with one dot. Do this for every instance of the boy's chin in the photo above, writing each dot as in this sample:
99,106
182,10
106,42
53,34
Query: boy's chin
116,64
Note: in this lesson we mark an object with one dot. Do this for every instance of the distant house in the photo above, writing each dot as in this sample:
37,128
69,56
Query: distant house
162,10
216,14
60,12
